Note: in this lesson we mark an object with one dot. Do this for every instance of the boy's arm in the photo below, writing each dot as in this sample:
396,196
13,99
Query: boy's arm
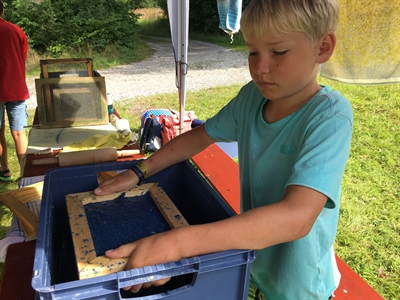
289,219
179,149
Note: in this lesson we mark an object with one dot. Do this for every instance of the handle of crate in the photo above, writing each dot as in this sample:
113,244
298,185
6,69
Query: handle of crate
45,62
125,280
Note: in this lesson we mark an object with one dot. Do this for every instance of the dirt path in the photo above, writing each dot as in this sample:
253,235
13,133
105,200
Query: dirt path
209,65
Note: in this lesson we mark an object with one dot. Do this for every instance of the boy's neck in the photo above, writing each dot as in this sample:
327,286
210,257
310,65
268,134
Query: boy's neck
273,111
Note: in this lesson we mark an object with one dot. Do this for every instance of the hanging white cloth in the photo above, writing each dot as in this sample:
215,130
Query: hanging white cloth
230,12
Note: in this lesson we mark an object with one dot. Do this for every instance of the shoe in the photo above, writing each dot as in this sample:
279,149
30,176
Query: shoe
5,178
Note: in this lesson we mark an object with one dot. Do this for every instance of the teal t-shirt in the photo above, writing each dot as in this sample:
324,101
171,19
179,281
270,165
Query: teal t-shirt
310,148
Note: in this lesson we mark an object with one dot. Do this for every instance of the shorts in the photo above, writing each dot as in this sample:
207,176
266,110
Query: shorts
16,113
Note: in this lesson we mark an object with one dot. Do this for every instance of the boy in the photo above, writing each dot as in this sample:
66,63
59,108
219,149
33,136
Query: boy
294,141
13,90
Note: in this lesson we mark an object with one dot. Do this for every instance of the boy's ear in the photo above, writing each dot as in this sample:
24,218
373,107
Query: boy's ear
326,47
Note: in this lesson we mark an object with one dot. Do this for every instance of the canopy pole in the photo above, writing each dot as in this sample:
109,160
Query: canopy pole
178,12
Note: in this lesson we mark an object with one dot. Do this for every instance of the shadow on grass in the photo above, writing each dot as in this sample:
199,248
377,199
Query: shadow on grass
6,186
6,216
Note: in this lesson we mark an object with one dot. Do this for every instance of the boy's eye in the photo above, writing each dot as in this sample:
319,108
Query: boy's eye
252,53
280,52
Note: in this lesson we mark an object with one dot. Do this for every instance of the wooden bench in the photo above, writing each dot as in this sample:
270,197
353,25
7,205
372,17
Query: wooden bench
223,174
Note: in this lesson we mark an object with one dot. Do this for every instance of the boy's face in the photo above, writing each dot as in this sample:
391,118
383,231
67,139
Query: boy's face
284,68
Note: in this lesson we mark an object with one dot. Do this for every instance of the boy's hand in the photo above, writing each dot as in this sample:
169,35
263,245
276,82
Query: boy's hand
120,183
149,251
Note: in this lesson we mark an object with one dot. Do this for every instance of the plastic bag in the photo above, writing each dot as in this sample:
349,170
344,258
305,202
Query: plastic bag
171,124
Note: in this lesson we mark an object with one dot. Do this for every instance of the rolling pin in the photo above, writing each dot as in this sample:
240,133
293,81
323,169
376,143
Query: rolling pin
85,157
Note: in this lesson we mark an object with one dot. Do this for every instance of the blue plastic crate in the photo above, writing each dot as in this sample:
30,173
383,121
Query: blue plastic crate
222,275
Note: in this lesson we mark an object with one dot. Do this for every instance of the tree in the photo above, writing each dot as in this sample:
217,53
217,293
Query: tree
59,25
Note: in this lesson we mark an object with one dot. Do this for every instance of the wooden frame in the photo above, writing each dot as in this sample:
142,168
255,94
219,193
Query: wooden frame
45,62
84,93
88,263
57,103
15,200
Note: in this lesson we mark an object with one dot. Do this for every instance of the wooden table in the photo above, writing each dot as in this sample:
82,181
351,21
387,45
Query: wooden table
17,272
31,170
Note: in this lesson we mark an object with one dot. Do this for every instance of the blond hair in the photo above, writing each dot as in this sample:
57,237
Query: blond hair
314,18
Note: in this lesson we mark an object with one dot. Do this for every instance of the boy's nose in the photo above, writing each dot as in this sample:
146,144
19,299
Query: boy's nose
262,66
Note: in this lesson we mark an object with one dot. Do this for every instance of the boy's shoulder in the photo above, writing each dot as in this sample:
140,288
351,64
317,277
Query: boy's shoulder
332,102
11,26
334,95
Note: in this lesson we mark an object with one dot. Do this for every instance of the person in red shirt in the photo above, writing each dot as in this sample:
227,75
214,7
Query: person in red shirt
13,90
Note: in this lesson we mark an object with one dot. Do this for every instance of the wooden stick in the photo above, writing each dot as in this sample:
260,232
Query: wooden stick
167,208
15,200
83,243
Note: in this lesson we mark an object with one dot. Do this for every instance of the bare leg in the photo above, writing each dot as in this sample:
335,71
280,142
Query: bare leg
3,151
21,143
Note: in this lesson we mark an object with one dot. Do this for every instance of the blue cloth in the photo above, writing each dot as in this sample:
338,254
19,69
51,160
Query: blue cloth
309,148
230,12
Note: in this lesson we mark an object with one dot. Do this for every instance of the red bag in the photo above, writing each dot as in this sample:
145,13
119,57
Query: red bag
170,128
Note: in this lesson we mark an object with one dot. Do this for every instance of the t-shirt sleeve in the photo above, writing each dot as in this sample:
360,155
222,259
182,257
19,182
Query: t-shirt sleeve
323,156
222,126
231,120
23,40
24,44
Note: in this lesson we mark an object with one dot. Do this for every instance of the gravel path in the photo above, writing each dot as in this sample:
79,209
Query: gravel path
209,65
